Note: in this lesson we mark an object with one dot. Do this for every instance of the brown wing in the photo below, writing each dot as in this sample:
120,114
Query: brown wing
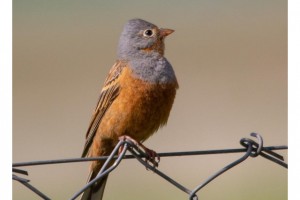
108,94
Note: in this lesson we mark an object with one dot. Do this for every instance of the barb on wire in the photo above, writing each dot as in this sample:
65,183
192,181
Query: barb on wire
259,150
251,149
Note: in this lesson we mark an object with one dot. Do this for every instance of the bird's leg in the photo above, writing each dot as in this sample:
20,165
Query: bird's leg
151,155
124,138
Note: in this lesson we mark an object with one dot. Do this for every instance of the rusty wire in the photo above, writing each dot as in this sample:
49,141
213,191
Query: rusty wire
251,149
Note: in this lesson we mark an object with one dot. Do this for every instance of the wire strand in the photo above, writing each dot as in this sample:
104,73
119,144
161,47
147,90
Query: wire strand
164,154
251,149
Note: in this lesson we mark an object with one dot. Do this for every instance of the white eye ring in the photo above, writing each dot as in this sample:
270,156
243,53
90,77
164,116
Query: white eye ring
148,33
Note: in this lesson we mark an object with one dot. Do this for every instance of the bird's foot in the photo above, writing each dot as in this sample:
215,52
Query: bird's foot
151,156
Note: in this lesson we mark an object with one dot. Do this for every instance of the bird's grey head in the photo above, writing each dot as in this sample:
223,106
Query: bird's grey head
141,38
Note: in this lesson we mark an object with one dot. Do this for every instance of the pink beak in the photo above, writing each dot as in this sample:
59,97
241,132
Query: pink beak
165,32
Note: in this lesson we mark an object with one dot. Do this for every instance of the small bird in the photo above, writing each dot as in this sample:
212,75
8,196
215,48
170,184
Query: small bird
136,98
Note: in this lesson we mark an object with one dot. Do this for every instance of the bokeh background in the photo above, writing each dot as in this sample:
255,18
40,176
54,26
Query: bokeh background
230,58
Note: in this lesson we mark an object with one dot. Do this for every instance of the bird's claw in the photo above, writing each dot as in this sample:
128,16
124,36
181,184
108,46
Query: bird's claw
151,156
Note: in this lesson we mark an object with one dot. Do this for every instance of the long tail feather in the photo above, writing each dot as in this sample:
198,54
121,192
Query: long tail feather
97,190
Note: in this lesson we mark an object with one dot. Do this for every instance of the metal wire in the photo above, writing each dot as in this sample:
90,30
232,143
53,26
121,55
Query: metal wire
165,154
252,149
104,171
25,182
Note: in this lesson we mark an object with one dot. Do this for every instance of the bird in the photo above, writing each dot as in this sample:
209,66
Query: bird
136,98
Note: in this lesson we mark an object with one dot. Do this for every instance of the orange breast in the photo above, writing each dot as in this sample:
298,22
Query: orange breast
139,110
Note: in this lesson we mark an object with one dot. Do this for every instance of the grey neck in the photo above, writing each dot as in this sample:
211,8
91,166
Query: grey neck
153,69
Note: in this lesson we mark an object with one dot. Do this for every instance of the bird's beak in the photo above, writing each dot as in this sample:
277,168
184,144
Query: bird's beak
165,32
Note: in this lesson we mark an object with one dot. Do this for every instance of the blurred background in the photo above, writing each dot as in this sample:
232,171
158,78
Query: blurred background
230,58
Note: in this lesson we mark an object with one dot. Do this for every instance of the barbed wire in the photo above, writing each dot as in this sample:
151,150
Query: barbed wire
251,149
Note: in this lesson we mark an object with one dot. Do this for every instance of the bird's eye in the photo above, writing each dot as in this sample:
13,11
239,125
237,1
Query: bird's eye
148,33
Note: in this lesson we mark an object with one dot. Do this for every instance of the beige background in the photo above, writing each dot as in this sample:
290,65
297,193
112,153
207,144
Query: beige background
230,58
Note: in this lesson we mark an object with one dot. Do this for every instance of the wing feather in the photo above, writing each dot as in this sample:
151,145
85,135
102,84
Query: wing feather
108,94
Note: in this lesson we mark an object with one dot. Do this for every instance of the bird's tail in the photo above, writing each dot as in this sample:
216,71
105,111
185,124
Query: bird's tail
96,191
